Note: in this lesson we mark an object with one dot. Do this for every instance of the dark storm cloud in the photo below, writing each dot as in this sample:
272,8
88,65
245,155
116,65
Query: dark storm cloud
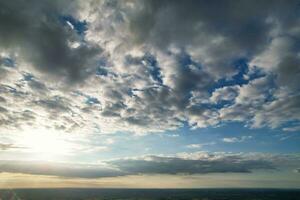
34,30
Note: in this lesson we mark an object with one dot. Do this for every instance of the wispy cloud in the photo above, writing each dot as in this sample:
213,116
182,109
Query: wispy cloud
292,129
9,147
236,139
200,145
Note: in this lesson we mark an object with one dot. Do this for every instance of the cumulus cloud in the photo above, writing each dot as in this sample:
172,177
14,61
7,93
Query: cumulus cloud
184,163
224,94
148,66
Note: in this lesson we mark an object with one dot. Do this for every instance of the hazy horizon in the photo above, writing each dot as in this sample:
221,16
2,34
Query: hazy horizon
149,94
150,194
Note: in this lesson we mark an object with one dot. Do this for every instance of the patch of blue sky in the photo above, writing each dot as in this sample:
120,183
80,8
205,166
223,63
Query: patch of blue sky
150,63
214,106
92,100
263,139
184,59
271,89
79,26
100,71
241,65
89,100
103,68
28,77
7,62
291,124
153,67
208,139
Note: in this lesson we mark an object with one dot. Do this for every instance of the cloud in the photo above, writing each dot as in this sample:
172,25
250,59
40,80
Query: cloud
177,165
5,147
236,139
197,146
183,163
295,128
34,31
58,169
214,40
148,66
224,94
231,140
192,146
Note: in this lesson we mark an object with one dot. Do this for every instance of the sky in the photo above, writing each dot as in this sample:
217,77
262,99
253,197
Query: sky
150,94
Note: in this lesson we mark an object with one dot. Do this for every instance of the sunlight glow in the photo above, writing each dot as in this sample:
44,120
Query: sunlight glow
45,144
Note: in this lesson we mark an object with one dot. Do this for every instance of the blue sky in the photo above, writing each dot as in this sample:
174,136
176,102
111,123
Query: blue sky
105,92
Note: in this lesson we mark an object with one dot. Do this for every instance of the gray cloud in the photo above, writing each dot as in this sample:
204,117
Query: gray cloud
173,165
33,29
195,163
224,94
215,32
58,169
181,16
148,66
194,49
278,112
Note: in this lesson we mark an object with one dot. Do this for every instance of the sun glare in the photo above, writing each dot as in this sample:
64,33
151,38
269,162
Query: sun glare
44,144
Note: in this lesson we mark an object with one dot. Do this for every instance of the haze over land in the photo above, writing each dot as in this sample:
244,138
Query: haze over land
150,94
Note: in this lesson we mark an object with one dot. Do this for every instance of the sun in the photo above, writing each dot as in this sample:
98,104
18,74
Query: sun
44,144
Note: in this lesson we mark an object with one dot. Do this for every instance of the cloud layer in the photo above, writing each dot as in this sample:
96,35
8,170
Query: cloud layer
148,66
184,163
